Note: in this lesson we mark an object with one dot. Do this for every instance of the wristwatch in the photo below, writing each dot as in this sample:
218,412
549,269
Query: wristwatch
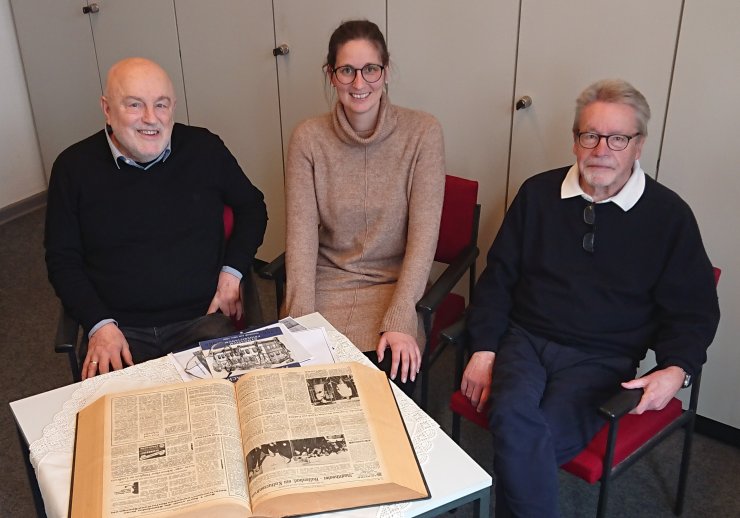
686,379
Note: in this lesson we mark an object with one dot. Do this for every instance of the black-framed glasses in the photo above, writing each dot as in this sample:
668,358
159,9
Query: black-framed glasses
371,73
589,140
589,218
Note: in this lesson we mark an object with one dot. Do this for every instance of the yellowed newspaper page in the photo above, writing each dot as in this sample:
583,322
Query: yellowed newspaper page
307,431
174,450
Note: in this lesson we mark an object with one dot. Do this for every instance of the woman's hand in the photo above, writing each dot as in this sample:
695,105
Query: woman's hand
405,353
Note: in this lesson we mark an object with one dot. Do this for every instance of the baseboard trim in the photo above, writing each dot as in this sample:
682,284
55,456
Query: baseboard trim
23,207
716,430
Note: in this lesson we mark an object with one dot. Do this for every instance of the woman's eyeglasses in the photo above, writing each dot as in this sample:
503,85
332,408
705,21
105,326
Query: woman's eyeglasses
371,73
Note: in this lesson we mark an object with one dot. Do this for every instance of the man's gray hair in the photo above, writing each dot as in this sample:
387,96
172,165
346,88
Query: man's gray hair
614,91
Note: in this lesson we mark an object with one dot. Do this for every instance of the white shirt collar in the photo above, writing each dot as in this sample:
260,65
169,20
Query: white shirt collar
626,198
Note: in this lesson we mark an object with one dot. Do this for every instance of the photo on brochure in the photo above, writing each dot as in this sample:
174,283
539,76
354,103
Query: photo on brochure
231,356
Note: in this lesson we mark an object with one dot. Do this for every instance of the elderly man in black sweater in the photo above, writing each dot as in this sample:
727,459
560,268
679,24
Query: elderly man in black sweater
593,264
135,245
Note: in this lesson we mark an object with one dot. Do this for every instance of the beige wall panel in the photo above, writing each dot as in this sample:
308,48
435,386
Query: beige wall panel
145,28
566,45
699,163
231,85
456,61
58,55
21,169
306,27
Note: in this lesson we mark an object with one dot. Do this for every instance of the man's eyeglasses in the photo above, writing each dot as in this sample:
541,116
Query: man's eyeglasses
589,218
590,140
371,73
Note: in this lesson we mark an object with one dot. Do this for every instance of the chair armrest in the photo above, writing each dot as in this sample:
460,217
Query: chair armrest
250,299
67,332
66,340
625,400
447,281
456,335
620,404
274,270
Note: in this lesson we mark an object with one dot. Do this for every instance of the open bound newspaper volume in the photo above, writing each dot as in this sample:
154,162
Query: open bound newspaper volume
278,442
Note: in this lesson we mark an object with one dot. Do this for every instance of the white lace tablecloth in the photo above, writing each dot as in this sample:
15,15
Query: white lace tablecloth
51,455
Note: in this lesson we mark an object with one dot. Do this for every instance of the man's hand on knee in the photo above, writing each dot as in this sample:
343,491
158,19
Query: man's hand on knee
659,387
476,381
107,350
227,297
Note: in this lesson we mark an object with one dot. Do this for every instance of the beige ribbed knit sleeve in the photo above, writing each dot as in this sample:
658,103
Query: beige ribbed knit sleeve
425,208
302,220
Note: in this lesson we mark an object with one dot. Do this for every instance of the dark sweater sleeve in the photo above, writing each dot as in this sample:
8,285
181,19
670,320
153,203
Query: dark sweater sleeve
64,251
250,212
488,315
686,298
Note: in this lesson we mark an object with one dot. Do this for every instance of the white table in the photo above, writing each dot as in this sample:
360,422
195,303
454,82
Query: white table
452,476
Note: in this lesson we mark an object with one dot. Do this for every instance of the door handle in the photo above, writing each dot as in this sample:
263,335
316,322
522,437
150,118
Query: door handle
282,50
523,102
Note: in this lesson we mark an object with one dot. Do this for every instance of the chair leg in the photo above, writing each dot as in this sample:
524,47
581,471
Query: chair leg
456,427
606,477
603,497
424,378
425,362
74,365
279,294
684,472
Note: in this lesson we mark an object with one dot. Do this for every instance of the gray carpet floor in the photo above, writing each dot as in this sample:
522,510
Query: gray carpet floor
28,315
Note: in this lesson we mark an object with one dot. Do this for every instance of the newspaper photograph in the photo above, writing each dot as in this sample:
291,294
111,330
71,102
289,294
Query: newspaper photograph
304,429
231,356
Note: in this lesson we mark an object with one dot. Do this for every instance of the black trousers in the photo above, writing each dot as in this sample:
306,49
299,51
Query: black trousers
544,402
146,343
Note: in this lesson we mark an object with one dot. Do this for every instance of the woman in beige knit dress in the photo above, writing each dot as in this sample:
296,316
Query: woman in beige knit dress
364,189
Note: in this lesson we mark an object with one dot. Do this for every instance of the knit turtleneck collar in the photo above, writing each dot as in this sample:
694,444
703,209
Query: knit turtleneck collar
387,120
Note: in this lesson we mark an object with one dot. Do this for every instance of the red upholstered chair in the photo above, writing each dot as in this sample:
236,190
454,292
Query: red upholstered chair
623,440
228,222
70,337
457,247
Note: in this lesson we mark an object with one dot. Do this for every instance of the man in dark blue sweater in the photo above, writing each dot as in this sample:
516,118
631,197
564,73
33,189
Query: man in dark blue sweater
593,265
135,245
